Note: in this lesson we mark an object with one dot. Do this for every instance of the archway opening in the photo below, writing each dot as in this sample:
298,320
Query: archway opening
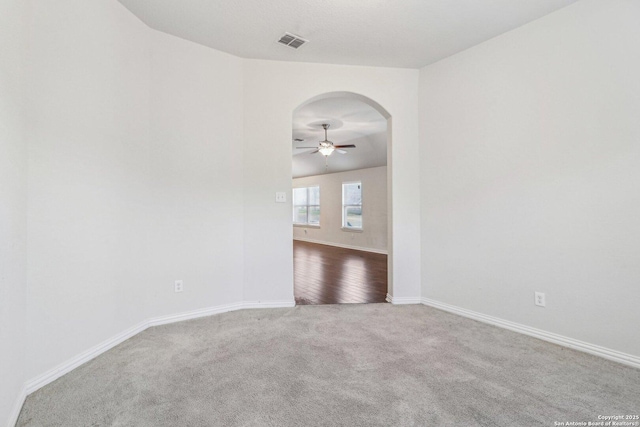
341,204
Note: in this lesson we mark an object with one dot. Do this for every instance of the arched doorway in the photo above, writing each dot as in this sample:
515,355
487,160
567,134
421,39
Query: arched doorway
355,240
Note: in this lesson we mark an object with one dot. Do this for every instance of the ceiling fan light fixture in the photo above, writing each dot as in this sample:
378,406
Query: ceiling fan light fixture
326,150
326,146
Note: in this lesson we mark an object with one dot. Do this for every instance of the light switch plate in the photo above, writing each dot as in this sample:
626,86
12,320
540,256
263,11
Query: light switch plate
281,197
540,299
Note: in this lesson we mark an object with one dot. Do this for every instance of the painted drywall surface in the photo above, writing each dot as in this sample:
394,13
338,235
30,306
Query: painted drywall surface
529,151
88,94
272,90
136,177
374,209
13,206
196,176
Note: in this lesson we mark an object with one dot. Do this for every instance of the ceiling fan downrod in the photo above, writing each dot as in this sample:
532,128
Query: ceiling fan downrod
326,146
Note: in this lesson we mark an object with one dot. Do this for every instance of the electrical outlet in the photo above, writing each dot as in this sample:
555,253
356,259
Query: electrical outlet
539,299
178,286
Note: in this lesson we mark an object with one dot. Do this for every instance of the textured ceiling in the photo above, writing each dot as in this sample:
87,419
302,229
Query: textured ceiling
392,33
352,122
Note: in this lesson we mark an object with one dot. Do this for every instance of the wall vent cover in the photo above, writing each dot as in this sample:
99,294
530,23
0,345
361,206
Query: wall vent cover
292,40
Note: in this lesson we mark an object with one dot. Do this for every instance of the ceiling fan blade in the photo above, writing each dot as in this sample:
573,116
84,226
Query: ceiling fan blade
344,146
304,148
340,151
313,152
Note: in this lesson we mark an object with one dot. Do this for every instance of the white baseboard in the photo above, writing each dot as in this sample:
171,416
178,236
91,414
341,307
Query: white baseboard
269,304
340,245
194,314
60,370
402,300
55,373
596,350
17,407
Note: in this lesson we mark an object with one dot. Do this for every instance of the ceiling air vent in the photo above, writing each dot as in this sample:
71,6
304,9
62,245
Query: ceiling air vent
292,40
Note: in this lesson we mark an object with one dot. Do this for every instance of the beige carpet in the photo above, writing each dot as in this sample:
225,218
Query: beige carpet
346,365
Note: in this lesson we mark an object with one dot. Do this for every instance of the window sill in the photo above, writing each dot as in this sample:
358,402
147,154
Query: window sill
352,230
306,226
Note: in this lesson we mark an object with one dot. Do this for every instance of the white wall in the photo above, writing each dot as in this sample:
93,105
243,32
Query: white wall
196,178
269,101
88,101
135,157
530,145
13,206
374,209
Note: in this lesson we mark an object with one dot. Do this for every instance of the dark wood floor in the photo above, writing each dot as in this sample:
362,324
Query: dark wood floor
330,275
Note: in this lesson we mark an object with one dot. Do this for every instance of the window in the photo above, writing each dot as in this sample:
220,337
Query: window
306,206
352,206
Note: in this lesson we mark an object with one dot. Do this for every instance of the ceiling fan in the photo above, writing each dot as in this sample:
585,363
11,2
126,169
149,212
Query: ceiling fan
326,147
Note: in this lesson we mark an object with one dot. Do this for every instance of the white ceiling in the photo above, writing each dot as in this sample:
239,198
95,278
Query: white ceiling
392,33
352,122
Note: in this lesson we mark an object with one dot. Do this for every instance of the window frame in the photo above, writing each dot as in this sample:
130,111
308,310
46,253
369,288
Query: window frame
346,227
307,205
